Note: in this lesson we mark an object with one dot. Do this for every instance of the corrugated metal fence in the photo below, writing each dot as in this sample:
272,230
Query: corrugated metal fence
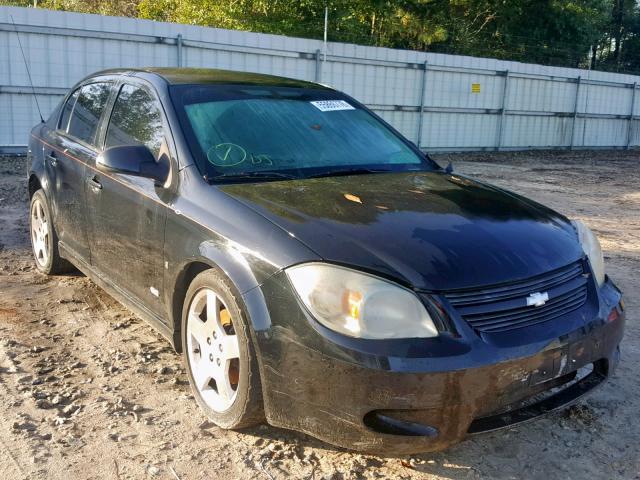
441,102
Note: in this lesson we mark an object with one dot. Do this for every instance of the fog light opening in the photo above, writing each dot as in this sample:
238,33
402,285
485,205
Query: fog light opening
382,422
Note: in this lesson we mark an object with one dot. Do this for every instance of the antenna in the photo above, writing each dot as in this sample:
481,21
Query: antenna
26,65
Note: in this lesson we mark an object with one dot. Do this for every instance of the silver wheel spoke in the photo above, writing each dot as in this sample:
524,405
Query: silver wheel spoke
199,329
224,386
45,248
202,377
230,348
213,311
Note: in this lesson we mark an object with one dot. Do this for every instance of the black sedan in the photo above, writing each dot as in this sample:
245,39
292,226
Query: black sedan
315,268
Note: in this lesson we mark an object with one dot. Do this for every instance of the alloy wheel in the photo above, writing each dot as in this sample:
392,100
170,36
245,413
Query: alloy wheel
213,350
40,233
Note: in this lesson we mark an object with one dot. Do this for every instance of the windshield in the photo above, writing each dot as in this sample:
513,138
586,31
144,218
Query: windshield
256,132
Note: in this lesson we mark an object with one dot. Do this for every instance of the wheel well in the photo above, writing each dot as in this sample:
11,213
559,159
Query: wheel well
179,293
34,185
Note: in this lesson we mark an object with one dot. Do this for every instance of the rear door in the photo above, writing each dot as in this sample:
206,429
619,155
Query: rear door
68,150
126,214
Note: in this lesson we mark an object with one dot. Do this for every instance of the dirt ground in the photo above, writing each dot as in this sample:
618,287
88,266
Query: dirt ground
90,391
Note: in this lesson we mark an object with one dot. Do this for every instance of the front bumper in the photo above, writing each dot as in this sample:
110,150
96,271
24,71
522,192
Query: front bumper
383,404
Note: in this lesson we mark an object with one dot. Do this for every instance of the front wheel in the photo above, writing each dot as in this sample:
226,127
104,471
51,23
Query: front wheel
221,361
44,240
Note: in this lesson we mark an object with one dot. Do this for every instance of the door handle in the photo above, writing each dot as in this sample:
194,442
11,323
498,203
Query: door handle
53,160
95,184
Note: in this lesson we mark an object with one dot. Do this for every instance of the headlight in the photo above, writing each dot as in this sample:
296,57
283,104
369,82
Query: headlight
592,249
360,305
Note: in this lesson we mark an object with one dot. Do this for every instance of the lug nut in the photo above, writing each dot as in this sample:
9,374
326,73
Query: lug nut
211,357
218,361
220,347
209,340
215,335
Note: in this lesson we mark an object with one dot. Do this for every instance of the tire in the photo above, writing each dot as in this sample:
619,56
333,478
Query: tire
225,406
44,240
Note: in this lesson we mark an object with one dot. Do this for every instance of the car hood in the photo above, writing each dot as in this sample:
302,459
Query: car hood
430,230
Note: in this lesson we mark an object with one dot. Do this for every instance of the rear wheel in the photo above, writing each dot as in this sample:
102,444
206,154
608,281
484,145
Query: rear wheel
221,361
44,240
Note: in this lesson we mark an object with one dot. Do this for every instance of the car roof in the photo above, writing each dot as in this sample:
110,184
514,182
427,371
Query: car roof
207,76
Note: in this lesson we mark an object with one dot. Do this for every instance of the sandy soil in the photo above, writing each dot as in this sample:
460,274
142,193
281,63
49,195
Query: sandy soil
89,391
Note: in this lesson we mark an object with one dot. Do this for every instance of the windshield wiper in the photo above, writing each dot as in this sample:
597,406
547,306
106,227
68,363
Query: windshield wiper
348,171
251,175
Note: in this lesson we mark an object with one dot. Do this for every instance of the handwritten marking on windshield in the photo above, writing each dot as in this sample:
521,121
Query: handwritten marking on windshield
226,155
261,159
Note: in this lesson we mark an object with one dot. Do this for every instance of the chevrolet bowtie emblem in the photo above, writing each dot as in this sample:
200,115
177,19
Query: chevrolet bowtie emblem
537,299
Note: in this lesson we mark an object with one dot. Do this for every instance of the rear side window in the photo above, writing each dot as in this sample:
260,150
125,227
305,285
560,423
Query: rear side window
66,112
87,110
135,120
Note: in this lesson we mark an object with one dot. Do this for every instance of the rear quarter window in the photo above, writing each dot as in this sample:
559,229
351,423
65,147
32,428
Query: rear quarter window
87,110
66,112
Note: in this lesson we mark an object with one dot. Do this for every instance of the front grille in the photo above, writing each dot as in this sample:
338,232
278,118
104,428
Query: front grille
504,307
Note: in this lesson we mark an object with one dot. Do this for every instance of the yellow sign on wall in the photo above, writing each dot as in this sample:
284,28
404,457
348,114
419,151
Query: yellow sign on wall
475,88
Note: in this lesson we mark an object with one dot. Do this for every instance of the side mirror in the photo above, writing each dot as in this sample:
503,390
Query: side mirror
132,160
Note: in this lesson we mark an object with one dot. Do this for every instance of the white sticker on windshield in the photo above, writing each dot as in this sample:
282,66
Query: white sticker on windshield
331,105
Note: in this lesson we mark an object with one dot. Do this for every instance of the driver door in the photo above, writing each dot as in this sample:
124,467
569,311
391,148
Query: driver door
126,214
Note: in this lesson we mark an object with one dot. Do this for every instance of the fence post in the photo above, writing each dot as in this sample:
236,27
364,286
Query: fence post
633,104
318,74
423,89
505,95
179,47
575,111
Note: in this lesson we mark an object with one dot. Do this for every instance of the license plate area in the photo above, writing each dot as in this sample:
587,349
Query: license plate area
565,360
553,395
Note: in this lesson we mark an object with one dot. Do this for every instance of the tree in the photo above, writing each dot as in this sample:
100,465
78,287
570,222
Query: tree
554,32
618,44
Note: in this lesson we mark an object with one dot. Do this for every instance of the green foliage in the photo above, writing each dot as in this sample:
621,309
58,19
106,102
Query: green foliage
619,46
126,8
554,32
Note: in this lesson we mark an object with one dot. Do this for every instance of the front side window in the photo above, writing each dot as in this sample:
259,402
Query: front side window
87,110
246,130
135,120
